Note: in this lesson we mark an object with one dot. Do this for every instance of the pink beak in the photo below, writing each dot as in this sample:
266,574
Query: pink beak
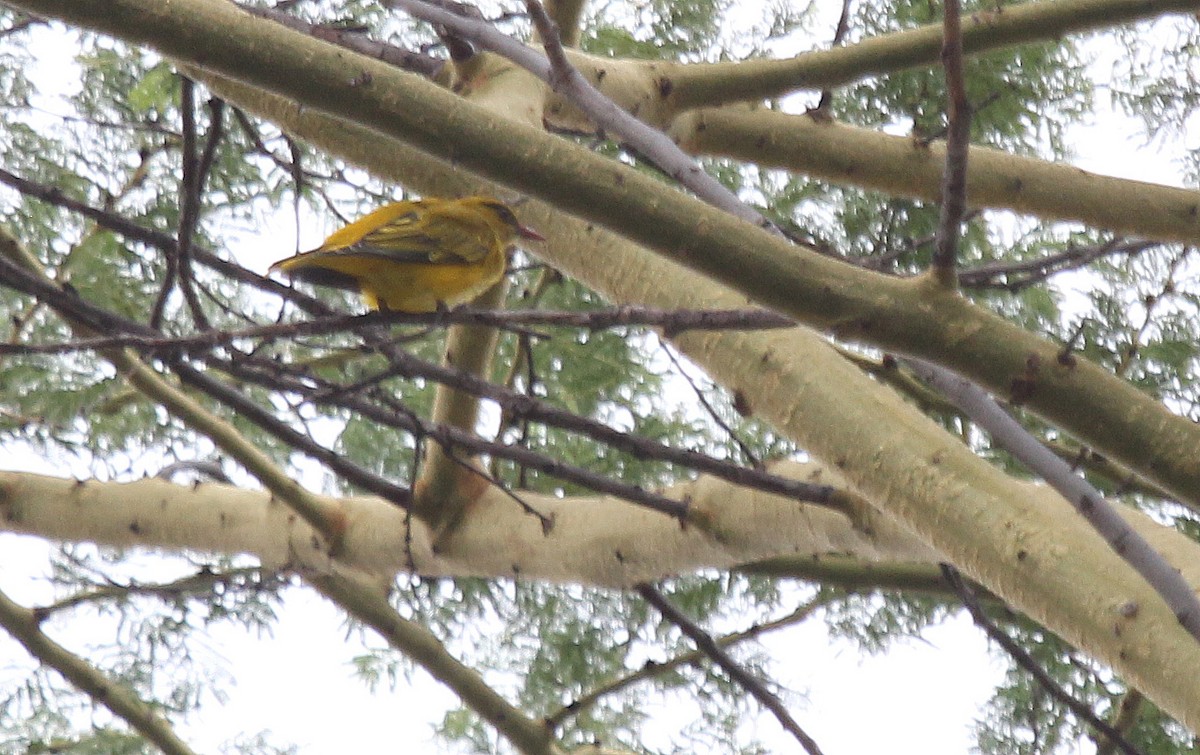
529,233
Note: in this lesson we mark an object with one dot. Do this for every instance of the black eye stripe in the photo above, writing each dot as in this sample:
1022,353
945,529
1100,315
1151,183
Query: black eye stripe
503,212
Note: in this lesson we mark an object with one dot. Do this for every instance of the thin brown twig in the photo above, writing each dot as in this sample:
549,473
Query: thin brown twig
451,437
407,60
1027,662
519,404
202,581
839,33
747,452
190,190
546,521
958,135
675,321
752,684
1014,276
404,364
652,669
161,241
251,411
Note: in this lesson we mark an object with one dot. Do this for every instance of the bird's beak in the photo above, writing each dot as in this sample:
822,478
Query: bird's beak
529,233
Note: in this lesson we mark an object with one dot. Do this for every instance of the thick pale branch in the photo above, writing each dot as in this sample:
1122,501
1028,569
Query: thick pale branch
718,83
910,168
596,540
447,487
557,71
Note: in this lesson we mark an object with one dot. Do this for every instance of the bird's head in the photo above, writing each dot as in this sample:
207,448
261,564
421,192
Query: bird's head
501,219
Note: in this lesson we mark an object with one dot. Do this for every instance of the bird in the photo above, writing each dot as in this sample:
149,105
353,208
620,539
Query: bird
420,255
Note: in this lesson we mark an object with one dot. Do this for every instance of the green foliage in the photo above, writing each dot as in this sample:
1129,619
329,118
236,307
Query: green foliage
665,29
877,621
1011,109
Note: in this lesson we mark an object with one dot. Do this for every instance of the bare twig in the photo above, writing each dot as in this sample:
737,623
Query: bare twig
652,669
405,364
522,405
1027,662
253,412
711,410
195,170
355,40
673,321
1014,276
752,684
202,581
161,241
839,33
452,437
958,134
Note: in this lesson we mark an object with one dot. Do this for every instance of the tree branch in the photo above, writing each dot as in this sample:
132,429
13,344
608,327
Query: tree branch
958,134
897,165
25,627
700,85
653,669
1089,502
369,606
554,69
1026,661
707,645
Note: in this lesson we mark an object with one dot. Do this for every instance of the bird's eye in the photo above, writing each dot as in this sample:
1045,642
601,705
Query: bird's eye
505,214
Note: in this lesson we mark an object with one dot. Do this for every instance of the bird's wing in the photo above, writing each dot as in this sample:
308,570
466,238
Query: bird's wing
423,241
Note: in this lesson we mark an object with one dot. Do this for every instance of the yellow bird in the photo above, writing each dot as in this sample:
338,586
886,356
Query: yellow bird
416,256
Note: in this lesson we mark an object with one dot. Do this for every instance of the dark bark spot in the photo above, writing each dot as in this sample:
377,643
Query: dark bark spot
741,404
1020,390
